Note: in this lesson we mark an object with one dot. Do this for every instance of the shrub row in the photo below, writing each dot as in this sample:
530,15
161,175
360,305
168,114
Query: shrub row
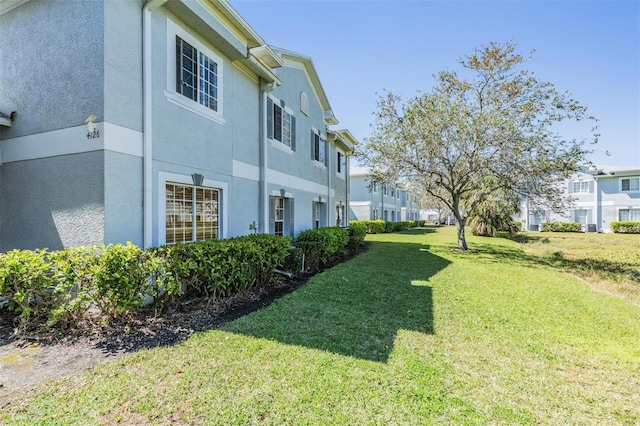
380,226
47,287
626,227
561,227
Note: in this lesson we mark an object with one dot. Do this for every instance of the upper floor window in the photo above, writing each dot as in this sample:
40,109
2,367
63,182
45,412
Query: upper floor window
374,186
194,80
339,164
196,75
580,187
318,147
630,184
281,123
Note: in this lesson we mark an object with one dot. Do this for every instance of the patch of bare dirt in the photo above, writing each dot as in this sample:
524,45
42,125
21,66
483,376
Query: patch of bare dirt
65,351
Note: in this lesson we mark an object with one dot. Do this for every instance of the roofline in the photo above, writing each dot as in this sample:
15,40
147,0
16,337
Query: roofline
348,140
230,13
315,80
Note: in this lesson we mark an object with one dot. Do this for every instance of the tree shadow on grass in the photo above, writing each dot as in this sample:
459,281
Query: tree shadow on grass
356,308
420,231
493,253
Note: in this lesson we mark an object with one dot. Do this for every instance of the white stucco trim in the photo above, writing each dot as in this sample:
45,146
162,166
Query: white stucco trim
164,177
245,171
251,172
294,182
276,193
72,140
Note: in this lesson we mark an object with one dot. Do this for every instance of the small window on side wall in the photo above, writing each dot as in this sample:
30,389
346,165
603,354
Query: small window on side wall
304,103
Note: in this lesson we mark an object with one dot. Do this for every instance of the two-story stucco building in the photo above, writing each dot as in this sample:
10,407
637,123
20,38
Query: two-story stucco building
156,122
371,200
600,196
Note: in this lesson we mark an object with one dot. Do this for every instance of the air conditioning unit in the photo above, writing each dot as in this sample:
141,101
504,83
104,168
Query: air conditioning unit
592,227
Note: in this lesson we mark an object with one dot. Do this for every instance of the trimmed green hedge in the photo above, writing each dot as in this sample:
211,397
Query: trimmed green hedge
626,227
319,245
380,226
357,233
561,227
46,287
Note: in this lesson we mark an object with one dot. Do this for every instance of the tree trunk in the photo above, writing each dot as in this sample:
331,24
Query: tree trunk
462,242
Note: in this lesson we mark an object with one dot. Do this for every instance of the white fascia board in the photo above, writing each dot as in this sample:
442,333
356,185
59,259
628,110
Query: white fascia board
9,5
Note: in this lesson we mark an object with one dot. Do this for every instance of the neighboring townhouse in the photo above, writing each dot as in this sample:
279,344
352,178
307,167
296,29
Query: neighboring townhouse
600,196
371,200
158,122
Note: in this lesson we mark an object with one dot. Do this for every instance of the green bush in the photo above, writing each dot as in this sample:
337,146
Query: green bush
372,226
626,227
561,227
319,245
72,272
25,282
357,233
388,227
122,276
221,268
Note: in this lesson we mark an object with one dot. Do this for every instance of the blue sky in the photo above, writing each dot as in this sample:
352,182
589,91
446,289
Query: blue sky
360,48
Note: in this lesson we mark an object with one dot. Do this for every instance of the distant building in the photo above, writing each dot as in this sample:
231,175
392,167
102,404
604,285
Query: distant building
371,200
601,196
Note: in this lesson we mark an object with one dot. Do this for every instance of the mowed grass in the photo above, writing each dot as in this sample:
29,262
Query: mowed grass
610,262
410,332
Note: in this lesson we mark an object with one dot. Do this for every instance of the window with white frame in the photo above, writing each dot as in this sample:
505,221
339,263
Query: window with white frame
281,123
630,184
192,213
625,215
374,186
374,214
318,147
281,215
580,186
580,216
194,76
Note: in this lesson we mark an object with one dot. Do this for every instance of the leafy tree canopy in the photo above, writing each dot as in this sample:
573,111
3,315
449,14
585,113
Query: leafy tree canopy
474,136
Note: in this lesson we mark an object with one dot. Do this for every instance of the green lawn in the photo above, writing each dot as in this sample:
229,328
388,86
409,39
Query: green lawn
410,332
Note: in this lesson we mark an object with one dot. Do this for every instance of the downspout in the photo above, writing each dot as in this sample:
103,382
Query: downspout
147,159
598,212
347,177
262,134
328,158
